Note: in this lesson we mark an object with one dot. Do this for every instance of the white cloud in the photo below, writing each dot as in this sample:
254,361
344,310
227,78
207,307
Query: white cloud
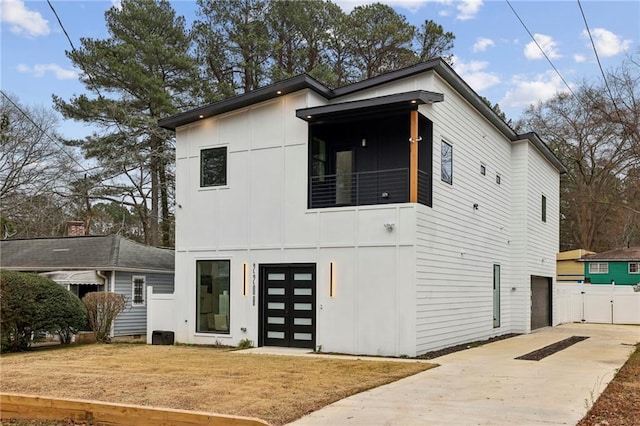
531,50
482,44
475,74
526,92
467,9
23,20
579,58
117,4
39,70
607,43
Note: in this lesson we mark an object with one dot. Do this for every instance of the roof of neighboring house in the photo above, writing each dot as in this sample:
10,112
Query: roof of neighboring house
304,81
573,254
620,255
109,252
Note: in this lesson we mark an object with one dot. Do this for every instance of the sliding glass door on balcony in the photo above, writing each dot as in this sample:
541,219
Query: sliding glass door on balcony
344,177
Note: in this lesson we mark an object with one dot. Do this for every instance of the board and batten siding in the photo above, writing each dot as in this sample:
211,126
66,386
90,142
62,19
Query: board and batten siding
133,320
266,221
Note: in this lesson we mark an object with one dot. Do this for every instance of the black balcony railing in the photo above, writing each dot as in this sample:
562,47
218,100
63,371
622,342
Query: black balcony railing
365,188
424,188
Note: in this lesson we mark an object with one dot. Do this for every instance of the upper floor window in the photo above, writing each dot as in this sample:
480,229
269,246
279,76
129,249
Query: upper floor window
598,268
483,170
446,162
544,208
213,167
137,290
498,179
634,267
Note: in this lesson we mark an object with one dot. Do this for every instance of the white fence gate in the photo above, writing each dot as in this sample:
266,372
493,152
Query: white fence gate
161,314
597,303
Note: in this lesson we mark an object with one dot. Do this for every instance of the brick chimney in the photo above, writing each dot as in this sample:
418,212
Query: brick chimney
75,228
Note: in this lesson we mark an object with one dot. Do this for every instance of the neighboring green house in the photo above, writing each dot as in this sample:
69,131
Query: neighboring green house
620,266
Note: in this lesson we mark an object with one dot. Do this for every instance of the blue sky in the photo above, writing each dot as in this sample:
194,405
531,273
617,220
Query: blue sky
493,51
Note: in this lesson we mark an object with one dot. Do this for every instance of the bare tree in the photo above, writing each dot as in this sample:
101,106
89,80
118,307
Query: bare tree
596,135
102,310
32,164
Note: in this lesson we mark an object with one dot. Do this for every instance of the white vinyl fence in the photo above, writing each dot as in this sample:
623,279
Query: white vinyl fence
597,303
161,314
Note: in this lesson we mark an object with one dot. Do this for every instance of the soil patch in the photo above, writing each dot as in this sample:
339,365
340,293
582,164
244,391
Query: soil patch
464,346
551,349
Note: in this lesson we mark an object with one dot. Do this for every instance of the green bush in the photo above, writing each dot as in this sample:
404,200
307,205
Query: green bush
30,305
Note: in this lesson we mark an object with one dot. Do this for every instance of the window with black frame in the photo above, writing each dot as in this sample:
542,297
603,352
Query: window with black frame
213,295
446,162
213,167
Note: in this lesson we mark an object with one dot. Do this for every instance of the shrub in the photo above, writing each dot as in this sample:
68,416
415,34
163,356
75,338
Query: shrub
245,344
102,310
32,304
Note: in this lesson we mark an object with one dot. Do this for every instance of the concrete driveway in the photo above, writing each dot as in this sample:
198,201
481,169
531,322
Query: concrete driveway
487,386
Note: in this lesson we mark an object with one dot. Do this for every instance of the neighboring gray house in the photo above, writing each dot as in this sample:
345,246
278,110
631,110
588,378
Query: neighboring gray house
97,263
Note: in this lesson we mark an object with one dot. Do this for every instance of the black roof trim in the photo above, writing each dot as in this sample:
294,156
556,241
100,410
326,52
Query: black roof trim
266,93
544,149
304,81
387,77
408,99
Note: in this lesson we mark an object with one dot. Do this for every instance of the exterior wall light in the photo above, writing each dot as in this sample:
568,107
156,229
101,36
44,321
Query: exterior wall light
332,279
245,277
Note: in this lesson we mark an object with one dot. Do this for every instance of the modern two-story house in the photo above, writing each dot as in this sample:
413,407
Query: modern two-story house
392,216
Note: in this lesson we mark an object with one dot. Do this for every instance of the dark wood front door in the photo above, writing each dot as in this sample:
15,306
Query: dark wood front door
288,305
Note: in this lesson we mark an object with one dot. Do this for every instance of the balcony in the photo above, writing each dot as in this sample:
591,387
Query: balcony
367,188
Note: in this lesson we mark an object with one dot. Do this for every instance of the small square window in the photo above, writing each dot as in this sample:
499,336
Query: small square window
498,179
483,170
544,208
213,167
446,162
634,267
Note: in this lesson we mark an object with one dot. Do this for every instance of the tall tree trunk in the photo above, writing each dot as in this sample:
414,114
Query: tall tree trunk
165,237
154,167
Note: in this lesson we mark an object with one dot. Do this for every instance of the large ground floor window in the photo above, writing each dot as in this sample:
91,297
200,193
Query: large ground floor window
212,296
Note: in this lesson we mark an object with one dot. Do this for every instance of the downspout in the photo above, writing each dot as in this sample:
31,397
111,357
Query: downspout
109,285
104,278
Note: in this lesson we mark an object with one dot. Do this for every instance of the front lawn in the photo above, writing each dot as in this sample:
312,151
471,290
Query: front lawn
277,389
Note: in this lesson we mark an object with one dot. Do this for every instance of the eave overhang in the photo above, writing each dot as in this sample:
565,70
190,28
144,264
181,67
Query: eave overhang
272,91
438,65
396,102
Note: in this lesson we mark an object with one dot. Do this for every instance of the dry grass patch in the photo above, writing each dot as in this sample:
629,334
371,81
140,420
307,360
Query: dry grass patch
619,404
277,389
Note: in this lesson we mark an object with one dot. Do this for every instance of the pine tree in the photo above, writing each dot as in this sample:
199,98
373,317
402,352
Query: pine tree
142,72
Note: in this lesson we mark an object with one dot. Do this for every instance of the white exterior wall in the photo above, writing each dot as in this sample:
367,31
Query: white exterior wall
457,244
536,242
261,217
424,286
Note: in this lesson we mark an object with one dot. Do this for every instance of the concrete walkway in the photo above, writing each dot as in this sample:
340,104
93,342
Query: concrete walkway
487,386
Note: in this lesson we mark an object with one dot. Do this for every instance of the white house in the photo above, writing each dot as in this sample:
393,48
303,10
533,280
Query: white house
393,216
